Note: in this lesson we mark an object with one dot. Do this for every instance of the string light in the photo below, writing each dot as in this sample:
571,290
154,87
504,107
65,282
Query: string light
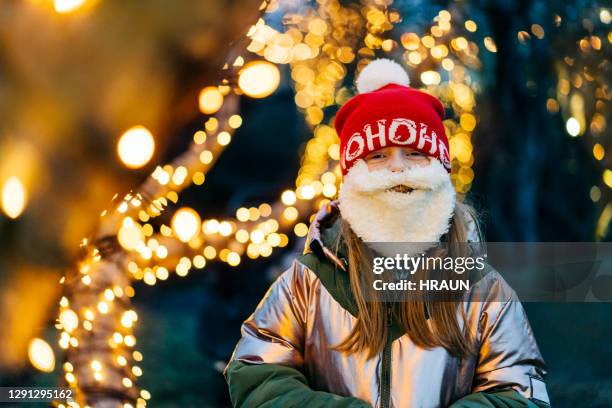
136,146
67,6
41,355
186,223
259,79
210,100
583,102
14,197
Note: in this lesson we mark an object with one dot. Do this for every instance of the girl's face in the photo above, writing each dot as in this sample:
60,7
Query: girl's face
395,159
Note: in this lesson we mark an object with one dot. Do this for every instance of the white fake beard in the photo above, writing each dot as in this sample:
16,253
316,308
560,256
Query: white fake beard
378,215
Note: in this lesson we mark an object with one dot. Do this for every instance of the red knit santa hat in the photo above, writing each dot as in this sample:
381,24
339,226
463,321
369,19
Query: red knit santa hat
387,112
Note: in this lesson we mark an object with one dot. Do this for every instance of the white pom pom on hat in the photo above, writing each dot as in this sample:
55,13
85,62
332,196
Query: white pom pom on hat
379,73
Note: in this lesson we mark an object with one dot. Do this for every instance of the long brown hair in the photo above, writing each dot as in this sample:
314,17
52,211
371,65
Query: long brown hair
371,331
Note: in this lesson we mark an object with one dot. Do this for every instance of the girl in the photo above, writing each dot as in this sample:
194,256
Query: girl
317,340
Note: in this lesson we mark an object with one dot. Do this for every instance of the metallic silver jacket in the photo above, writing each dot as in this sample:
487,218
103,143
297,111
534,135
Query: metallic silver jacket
298,321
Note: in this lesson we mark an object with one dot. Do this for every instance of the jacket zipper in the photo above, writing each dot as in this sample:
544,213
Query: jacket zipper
385,378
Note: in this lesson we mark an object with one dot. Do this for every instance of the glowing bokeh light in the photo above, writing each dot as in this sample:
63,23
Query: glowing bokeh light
573,127
69,320
136,147
130,234
13,197
66,6
210,100
186,223
41,355
259,79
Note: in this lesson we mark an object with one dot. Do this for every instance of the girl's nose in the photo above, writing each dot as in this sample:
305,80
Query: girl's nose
397,162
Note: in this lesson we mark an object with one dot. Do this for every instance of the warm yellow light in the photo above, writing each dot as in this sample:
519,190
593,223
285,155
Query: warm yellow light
136,147
103,307
129,340
300,229
210,100
225,228
265,249
117,337
199,261
211,226
130,235
329,190
224,138
573,127
235,121
415,57
13,197
66,6
242,214
70,378
306,192
257,237
109,294
186,223
149,278
212,124
259,79
210,252
252,251
430,78
199,137
290,213
448,64
179,175
445,15
182,268
598,151
607,177
490,44
254,214
288,197
471,26
121,361
428,41
439,51
233,258
96,365
69,320
467,121
410,41
242,236
162,273
41,355
273,239
126,320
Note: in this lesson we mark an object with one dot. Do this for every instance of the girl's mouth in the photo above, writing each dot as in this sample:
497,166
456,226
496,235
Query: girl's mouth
401,188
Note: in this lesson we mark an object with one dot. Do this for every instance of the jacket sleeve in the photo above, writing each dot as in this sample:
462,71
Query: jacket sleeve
275,385
501,399
510,370
266,367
